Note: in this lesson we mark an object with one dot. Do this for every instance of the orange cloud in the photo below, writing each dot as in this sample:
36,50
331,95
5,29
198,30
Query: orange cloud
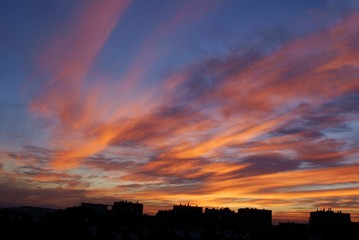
219,132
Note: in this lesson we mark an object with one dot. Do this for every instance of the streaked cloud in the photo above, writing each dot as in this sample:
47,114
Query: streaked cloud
274,129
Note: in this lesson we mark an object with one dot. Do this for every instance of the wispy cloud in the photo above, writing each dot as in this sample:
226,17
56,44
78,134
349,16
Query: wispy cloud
67,60
246,126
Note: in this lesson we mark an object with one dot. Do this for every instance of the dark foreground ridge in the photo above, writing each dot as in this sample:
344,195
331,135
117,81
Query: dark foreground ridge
125,221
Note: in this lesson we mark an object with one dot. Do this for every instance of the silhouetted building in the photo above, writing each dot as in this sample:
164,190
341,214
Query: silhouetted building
100,209
124,208
34,213
254,219
329,219
181,215
187,210
220,218
220,212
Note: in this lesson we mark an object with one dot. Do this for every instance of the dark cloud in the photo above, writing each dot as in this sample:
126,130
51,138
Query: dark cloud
38,154
198,91
337,203
304,132
326,122
343,105
32,170
266,164
34,167
100,161
18,194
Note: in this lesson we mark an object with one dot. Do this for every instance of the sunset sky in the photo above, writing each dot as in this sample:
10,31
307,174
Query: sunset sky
233,103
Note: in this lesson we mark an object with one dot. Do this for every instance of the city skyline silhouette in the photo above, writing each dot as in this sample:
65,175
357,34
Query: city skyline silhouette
125,220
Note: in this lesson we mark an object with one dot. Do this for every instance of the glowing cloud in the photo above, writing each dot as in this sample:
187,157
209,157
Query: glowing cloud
272,128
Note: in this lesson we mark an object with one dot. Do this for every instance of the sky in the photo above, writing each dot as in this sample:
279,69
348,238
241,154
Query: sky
233,103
